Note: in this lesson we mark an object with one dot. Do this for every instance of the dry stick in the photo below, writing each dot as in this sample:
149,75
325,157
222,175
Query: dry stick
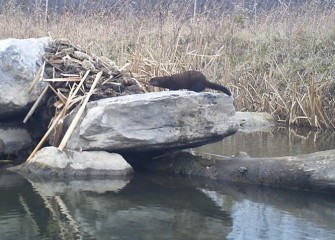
6,161
68,79
37,77
62,97
312,103
139,85
59,95
81,83
291,121
322,114
329,120
59,127
72,94
278,95
76,100
214,57
46,135
78,115
124,66
120,69
173,55
304,112
70,75
55,122
33,108
46,10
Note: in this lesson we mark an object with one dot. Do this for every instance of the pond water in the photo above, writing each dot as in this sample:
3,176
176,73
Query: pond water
273,142
162,206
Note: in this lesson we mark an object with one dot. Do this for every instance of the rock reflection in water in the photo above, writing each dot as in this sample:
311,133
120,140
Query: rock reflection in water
144,208
159,207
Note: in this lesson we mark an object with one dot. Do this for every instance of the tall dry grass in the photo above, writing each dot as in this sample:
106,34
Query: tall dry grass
280,61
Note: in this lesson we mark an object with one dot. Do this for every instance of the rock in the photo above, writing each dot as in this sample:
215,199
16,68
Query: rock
50,161
155,121
254,121
19,62
13,139
315,171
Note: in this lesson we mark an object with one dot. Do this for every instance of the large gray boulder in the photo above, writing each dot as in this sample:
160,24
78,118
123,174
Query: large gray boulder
155,121
19,62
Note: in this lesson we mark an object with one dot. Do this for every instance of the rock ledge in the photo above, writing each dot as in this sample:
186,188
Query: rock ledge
50,161
155,121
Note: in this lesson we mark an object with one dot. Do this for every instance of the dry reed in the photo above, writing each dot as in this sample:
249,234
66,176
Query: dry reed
279,61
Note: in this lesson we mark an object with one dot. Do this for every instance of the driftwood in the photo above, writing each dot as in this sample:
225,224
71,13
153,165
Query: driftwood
78,115
314,171
38,77
68,79
35,105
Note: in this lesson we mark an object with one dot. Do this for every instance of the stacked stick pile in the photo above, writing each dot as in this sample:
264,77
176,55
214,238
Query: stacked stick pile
75,77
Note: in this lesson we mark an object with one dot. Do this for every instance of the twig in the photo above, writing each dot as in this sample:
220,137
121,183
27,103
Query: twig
67,106
69,79
37,77
78,115
59,127
46,135
58,93
81,83
35,105
124,67
140,85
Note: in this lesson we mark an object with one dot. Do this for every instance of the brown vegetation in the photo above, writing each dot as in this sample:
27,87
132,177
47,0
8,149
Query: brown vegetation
280,61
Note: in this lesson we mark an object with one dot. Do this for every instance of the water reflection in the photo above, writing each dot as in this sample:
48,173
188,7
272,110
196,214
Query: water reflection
274,142
159,207
269,213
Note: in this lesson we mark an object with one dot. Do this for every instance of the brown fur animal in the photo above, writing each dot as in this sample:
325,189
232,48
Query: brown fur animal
191,80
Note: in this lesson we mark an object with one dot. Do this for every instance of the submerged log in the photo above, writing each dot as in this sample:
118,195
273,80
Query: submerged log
314,171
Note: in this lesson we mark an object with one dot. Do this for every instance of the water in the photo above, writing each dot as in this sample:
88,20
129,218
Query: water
161,206
273,142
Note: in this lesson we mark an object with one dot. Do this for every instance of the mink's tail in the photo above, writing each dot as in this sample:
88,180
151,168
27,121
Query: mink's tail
218,87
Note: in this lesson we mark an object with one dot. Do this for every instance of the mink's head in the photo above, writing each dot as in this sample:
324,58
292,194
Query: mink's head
158,81
154,81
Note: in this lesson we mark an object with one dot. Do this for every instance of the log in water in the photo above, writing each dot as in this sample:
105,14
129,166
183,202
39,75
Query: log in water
314,171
